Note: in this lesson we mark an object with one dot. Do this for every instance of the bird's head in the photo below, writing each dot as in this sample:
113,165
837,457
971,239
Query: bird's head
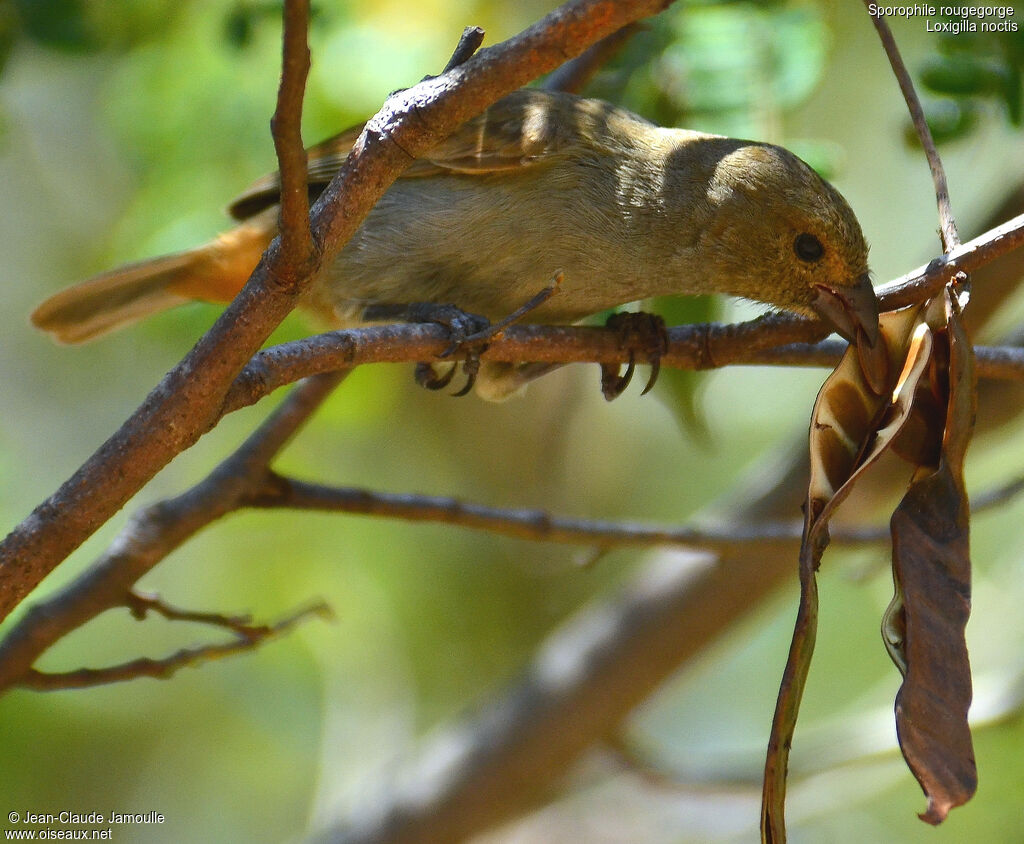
782,235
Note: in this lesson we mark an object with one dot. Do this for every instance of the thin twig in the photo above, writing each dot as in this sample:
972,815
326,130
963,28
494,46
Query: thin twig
241,625
469,42
950,236
155,532
162,669
297,252
542,526
534,302
532,524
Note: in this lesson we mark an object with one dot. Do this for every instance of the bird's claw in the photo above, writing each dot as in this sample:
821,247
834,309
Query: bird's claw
469,333
426,377
640,333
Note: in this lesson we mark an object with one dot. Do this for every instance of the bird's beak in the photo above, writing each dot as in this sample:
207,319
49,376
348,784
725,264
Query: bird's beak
849,307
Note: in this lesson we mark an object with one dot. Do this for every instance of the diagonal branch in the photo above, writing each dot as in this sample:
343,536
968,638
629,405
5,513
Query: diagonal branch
950,236
155,532
188,401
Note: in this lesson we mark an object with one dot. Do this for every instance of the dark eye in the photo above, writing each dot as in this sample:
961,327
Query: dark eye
808,247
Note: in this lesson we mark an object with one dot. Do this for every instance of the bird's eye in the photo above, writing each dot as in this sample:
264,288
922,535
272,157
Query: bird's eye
808,247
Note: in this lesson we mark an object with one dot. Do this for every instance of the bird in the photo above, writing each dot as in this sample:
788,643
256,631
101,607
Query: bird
542,182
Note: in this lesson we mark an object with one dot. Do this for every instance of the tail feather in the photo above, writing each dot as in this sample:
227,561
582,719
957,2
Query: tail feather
108,301
214,272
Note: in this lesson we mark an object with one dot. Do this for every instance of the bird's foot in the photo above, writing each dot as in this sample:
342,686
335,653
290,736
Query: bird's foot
467,332
640,333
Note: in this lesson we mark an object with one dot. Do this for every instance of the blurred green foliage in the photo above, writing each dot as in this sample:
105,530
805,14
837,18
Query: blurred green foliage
967,72
129,126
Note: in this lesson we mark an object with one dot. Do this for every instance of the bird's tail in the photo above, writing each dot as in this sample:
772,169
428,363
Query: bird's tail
214,272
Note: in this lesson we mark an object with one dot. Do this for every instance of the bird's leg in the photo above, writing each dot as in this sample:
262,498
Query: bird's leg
468,332
639,333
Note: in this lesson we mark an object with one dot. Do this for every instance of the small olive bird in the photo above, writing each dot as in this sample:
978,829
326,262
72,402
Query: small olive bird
541,182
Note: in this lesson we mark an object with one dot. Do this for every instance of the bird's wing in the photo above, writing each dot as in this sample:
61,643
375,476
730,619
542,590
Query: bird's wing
525,128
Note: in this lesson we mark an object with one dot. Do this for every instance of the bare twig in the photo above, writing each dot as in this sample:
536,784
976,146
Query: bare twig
469,42
542,526
155,532
247,639
532,524
241,625
950,236
925,282
297,252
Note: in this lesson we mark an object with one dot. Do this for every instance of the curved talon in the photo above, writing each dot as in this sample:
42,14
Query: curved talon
470,368
426,377
640,332
468,332
652,379
465,329
614,385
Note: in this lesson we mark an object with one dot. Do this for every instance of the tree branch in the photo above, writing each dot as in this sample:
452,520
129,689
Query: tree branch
541,526
155,532
950,236
574,75
298,256
247,639
188,401
699,346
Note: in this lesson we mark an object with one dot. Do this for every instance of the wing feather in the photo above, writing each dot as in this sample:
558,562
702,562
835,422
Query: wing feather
525,129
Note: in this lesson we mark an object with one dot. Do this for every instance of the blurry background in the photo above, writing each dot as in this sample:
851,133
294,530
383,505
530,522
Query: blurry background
126,128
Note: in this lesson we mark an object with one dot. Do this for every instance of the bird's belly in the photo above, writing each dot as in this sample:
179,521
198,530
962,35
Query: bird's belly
447,249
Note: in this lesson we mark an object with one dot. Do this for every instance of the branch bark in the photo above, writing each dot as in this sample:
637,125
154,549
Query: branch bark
766,340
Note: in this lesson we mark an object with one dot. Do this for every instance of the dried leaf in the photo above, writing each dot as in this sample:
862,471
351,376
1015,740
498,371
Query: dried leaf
924,626
855,419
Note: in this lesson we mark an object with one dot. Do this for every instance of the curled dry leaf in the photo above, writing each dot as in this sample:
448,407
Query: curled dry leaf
926,415
861,408
924,625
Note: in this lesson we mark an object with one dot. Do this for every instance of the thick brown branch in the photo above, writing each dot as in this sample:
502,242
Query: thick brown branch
188,401
690,346
950,236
